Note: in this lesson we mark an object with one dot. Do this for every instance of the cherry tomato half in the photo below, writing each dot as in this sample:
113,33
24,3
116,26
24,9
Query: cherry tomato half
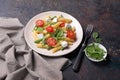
50,29
51,41
62,24
39,23
71,34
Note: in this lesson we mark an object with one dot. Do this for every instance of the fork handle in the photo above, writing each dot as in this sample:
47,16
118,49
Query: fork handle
78,60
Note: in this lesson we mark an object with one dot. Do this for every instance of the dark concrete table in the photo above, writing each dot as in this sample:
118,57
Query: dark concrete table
103,14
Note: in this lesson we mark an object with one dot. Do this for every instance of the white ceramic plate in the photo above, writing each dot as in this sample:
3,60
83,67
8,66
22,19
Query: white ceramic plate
31,24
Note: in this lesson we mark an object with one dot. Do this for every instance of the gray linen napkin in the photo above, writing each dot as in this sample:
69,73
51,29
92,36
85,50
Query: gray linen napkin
19,62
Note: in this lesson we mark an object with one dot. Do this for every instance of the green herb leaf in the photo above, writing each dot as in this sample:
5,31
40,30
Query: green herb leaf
53,17
60,33
95,35
37,41
39,29
43,41
35,28
98,40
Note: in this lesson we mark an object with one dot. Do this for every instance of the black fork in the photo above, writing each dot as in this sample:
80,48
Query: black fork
78,60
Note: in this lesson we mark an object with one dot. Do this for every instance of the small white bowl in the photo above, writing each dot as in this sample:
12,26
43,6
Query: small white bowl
102,47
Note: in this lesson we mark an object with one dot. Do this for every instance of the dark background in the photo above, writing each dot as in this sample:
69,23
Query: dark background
103,14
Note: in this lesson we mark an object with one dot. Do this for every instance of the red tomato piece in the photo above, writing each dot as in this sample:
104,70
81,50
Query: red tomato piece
62,24
71,34
39,23
51,41
50,29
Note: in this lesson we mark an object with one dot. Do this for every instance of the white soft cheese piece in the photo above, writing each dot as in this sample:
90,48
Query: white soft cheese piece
40,36
64,44
55,20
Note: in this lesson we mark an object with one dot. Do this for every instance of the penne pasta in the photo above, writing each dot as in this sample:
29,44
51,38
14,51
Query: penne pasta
39,45
57,24
70,43
64,29
73,29
44,32
65,20
69,40
34,34
58,44
47,35
56,49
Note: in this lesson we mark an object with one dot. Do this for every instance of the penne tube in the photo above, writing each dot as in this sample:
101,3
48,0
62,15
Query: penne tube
73,29
34,34
64,29
70,43
57,24
58,44
56,49
45,46
44,32
47,35
39,45
37,32
69,40
65,20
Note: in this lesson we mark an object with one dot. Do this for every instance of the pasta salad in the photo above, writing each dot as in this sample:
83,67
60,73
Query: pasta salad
54,33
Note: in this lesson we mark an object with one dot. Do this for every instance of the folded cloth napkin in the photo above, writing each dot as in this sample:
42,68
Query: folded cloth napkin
19,62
